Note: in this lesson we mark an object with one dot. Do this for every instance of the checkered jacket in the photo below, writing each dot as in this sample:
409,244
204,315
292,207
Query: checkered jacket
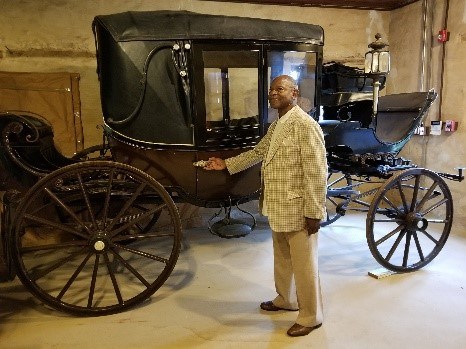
294,176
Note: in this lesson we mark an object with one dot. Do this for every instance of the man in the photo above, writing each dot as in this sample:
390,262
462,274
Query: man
294,174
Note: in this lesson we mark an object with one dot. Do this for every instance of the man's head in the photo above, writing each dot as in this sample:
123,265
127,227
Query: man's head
283,94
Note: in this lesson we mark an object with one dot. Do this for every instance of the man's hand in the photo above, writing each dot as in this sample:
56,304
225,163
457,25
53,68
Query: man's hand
215,164
312,225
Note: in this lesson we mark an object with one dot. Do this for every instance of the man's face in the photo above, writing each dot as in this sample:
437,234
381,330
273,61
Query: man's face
281,94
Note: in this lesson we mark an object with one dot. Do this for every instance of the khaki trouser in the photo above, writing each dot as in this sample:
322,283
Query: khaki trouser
297,276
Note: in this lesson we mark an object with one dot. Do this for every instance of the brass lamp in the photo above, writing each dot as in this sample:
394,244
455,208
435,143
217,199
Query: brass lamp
377,64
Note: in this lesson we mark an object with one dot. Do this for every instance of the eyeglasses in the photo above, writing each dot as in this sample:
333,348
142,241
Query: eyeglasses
279,89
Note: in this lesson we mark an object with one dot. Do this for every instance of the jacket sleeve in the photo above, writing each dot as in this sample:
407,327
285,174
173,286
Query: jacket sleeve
314,167
251,157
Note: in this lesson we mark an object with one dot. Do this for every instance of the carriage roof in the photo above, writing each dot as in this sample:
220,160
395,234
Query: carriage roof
147,68
173,25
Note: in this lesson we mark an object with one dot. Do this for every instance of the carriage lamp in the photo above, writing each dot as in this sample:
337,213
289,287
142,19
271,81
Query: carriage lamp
377,64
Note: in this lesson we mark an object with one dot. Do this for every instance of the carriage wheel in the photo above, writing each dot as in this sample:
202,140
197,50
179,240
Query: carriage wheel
95,238
409,220
338,185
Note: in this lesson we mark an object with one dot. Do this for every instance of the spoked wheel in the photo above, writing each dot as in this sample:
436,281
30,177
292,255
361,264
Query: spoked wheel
409,220
338,195
95,238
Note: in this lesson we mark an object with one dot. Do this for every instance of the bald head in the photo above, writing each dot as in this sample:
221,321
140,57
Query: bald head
287,80
283,94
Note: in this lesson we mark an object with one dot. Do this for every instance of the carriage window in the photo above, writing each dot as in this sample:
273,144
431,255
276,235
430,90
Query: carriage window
231,88
299,65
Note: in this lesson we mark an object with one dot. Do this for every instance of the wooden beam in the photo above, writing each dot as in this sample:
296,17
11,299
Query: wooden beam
382,5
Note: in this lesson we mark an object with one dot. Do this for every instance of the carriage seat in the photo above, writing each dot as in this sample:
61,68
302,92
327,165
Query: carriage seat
328,125
399,114
27,147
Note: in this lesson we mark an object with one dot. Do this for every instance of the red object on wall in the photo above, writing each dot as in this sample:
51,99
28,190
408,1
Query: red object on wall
443,35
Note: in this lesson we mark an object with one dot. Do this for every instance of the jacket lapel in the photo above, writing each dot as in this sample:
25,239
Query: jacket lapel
285,131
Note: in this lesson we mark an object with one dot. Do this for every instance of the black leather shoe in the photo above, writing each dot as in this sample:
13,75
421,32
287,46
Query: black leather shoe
298,330
269,306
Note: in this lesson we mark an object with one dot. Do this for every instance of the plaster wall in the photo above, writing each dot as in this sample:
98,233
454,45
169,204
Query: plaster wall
445,152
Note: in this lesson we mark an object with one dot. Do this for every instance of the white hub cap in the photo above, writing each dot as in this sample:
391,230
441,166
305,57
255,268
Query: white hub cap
99,245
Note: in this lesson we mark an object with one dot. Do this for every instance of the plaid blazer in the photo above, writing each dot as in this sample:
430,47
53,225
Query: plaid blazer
294,176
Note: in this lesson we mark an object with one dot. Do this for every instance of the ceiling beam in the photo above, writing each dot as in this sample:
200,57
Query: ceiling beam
382,5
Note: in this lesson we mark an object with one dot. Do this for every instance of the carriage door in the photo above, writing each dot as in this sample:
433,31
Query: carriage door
227,102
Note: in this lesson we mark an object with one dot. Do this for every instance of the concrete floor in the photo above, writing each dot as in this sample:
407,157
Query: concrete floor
212,298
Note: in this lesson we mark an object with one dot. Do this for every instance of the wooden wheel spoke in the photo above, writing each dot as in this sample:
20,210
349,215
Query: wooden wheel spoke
426,197
51,224
116,287
389,235
93,281
86,200
384,198
137,219
438,221
418,246
406,251
40,274
388,220
141,253
415,193
126,206
402,195
430,237
68,244
129,267
67,209
395,245
434,206
107,198
74,276
142,236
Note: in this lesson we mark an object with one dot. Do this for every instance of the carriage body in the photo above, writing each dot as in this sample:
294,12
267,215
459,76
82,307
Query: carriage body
97,236
179,87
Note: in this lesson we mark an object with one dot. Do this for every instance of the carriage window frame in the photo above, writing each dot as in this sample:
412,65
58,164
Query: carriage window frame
301,48
203,128
198,91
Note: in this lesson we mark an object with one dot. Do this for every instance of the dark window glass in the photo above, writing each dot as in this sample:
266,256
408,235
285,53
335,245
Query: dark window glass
231,88
299,65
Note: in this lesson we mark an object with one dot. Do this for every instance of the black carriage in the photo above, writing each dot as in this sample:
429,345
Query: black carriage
96,235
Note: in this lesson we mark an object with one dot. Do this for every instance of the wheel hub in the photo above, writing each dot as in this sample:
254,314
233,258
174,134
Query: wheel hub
415,222
99,245
100,242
